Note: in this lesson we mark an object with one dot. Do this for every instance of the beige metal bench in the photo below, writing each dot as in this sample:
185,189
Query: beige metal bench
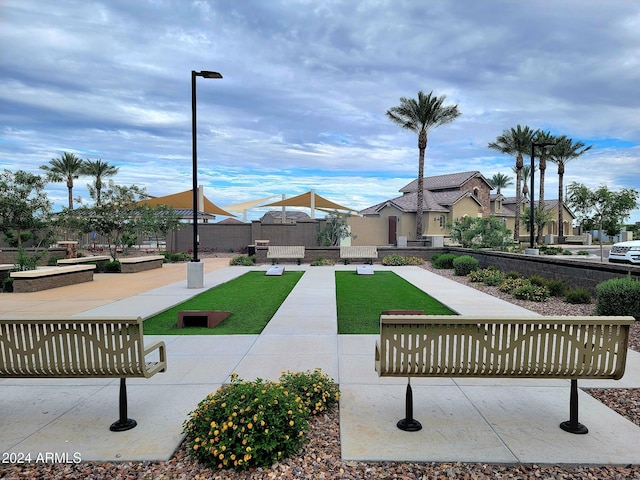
80,348
467,346
277,252
368,253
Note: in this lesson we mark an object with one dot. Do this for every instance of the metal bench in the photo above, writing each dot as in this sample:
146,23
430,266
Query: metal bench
80,348
467,346
368,253
277,252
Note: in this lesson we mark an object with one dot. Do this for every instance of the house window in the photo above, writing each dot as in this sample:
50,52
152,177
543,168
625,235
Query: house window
443,221
476,192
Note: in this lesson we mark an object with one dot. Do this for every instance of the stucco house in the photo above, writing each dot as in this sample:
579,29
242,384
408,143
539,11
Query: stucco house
453,196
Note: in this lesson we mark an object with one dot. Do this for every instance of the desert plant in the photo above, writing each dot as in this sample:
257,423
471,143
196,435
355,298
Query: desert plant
557,288
583,252
512,274
317,390
243,260
537,280
578,295
319,262
395,260
618,296
510,285
7,285
464,264
532,293
443,261
176,257
112,267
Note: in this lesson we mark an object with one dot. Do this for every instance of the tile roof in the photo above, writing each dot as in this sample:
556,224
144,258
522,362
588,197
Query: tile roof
444,182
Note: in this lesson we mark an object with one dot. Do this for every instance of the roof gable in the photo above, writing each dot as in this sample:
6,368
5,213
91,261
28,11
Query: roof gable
445,182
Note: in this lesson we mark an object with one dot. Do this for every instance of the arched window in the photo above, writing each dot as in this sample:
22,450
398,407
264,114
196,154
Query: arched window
476,192
443,221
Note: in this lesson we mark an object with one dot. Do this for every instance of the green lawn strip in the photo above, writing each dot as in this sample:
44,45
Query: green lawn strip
252,299
361,299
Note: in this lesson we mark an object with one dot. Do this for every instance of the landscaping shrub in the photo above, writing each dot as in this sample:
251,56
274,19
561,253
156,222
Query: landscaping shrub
464,264
510,285
557,288
619,296
493,277
512,274
255,424
243,260
533,293
578,295
112,267
170,257
567,252
317,390
443,261
537,280
583,252
53,261
395,260
7,285
319,262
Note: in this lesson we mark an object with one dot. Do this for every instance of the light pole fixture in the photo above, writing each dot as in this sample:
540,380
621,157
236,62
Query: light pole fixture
194,74
531,207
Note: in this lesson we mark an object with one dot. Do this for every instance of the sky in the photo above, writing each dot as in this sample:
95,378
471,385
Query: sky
306,87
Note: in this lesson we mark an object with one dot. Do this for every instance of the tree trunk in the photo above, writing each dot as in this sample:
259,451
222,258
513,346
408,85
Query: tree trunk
422,146
560,201
543,168
516,226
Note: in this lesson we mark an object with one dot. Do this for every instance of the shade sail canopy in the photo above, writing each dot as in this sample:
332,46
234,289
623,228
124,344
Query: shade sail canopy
184,200
241,207
310,200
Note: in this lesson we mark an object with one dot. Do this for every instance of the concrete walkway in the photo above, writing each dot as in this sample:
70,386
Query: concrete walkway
467,420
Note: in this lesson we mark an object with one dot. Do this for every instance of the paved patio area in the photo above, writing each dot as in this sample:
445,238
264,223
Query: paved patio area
467,420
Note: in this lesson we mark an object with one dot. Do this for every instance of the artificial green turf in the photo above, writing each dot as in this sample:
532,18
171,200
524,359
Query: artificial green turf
361,299
252,299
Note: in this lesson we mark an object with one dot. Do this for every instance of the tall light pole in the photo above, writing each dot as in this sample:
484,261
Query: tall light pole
195,274
531,207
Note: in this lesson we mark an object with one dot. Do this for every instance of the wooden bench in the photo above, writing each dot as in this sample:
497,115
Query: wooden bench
80,348
51,277
97,259
140,264
467,346
277,252
369,254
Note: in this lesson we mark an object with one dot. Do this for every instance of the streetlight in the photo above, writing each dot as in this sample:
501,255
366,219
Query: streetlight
531,207
196,271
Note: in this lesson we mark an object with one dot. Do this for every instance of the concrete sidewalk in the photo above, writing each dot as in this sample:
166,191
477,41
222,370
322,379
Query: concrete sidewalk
470,420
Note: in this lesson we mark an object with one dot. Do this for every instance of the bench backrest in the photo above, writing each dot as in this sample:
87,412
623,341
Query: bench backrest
285,251
358,251
72,348
467,346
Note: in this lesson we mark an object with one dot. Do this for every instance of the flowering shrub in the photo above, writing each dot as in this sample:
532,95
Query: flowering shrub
243,260
395,260
255,424
317,390
510,285
246,424
533,293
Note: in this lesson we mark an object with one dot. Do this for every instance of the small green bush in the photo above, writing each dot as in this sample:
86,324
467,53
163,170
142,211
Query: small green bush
319,262
512,274
7,285
170,257
532,293
489,276
583,252
317,390
395,259
112,267
567,252
53,261
578,295
243,260
557,288
464,264
443,261
510,285
246,425
551,250
537,280
618,296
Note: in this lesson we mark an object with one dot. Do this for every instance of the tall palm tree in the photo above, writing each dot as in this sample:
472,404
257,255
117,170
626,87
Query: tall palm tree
543,153
562,152
517,142
500,181
98,170
64,169
526,173
421,116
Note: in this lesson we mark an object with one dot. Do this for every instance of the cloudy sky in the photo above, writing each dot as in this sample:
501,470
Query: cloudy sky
306,86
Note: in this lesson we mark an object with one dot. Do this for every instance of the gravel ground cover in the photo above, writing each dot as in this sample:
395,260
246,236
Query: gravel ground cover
320,457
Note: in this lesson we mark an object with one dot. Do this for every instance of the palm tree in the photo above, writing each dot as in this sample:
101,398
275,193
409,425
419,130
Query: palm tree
421,116
542,137
526,173
500,181
516,141
562,152
98,170
64,169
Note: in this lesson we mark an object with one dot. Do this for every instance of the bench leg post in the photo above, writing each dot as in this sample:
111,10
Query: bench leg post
572,425
123,422
408,424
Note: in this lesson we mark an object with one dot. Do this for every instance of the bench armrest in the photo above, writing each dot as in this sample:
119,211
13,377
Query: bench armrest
161,365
